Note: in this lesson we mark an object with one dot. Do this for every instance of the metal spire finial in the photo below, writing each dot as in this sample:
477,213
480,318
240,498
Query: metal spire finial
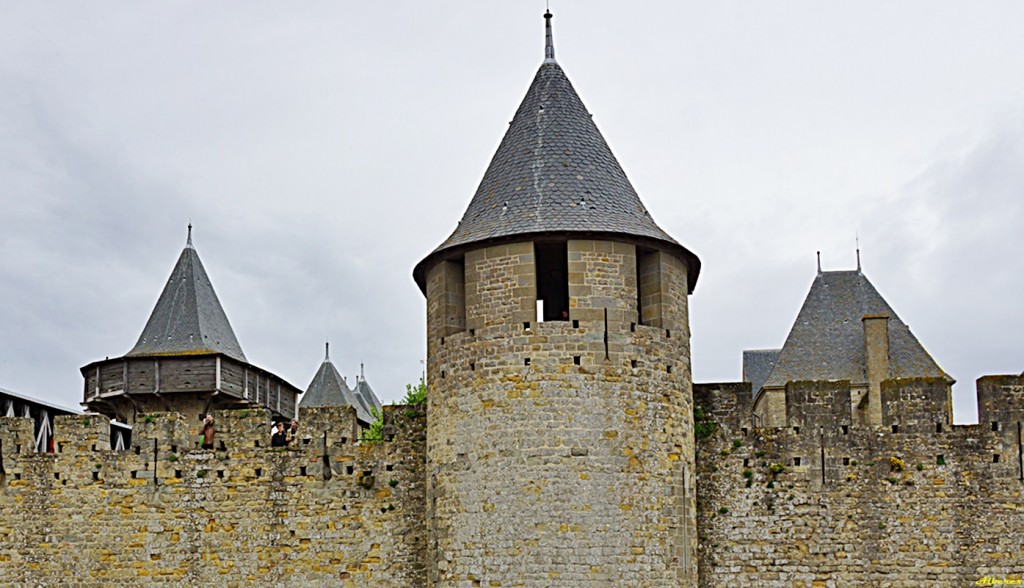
361,375
188,243
327,351
856,238
819,262
549,43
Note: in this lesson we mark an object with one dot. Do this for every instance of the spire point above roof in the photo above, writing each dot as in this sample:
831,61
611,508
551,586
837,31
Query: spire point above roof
857,239
188,242
549,43
819,263
327,351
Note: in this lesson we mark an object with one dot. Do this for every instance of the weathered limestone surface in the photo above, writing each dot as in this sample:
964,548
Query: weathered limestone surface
913,502
556,458
329,512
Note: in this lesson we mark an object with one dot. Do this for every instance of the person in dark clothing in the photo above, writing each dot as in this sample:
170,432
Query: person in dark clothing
278,439
208,432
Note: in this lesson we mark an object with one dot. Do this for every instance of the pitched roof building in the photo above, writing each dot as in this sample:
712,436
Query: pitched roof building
845,330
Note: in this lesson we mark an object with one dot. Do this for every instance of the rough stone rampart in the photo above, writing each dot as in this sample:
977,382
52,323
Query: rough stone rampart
328,511
823,503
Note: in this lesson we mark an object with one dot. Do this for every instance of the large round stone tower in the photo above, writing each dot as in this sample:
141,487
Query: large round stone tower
560,436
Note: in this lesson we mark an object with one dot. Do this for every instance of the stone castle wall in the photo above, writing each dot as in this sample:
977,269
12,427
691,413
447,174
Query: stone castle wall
331,511
914,502
560,453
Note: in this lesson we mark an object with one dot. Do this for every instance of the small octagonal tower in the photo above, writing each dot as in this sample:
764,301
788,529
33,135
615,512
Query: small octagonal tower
560,437
187,359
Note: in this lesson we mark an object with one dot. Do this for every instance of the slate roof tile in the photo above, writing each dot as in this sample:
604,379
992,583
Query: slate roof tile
827,339
328,388
553,173
188,318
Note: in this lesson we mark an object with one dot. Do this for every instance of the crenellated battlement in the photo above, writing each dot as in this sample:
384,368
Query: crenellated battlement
824,497
165,508
165,449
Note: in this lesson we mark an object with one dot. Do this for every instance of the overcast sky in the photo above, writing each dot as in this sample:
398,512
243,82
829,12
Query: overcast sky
321,149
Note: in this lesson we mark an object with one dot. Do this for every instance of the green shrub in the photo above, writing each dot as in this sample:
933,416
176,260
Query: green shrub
703,426
415,394
375,432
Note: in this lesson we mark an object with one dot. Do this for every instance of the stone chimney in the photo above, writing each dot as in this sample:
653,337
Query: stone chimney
876,360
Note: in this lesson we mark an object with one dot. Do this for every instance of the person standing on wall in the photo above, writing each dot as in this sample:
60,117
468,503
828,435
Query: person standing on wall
278,439
208,432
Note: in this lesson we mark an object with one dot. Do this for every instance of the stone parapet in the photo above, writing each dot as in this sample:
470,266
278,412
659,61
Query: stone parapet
329,511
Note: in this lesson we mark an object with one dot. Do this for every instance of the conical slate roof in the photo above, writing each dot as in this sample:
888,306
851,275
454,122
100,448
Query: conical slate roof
827,339
328,388
366,394
188,318
553,173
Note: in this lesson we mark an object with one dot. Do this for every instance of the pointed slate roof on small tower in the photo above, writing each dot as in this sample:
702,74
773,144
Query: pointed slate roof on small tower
553,173
366,394
188,318
827,339
328,388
